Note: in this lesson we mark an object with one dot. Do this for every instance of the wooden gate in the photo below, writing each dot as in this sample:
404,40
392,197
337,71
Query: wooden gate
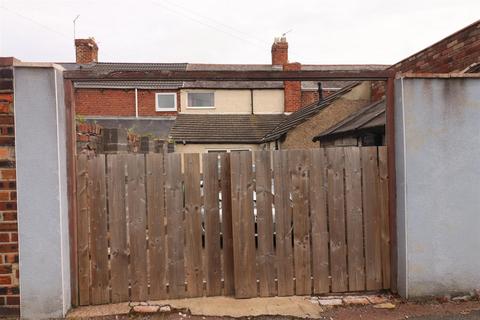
294,222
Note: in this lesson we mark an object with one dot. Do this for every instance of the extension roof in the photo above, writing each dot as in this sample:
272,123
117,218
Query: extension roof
303,114
372,116
223,128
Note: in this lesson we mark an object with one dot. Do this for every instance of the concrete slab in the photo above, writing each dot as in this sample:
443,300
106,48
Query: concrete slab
300,307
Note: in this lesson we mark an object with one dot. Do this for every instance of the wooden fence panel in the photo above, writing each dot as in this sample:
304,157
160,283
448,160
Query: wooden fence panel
264,197
299,163
243,224
354,216
336,216
323,227
225,186
118,227
212,224
98,228
157,266
319,221
283,221
175,228
137,226
83,219
384,216
193,225
371,211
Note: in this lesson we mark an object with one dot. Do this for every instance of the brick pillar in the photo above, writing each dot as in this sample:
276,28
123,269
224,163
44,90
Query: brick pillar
9,274
292,89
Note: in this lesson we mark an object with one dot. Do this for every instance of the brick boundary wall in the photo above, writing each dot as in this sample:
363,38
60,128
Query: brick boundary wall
9,272
454,53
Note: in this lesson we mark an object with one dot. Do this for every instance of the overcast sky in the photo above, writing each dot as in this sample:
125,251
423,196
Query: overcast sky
230,31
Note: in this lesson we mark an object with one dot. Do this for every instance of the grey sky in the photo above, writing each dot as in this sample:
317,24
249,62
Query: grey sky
213,31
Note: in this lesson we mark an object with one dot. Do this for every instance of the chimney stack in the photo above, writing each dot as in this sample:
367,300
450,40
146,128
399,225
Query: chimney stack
86,50
280,51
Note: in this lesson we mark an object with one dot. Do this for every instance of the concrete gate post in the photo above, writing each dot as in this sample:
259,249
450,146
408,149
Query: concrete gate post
42,191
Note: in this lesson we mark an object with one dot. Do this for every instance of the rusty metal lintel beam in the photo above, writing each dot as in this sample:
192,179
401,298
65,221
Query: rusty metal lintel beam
303,75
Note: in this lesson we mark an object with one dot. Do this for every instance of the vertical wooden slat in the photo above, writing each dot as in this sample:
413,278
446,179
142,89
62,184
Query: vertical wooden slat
384,216
371,213
354,216
83,231
70,146
283,224
175,228
336,219
225,186
243,224
193,226
137,223
265,255
118,227
212,224
298,161
318,216
98,227
155,179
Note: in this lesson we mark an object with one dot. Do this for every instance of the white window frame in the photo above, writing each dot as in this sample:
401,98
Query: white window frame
200,107
174,109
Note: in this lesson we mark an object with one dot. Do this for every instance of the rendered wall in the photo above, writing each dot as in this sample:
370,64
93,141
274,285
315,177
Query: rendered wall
438,195
238,101
42,192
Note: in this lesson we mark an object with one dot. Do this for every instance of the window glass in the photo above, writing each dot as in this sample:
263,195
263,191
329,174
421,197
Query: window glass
166,101
200,99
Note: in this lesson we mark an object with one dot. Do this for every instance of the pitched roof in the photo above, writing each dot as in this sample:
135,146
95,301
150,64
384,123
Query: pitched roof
368,117
298,117
223,128
153,126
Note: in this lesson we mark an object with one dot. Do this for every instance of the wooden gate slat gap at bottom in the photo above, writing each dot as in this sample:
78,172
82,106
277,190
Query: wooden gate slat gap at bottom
310,190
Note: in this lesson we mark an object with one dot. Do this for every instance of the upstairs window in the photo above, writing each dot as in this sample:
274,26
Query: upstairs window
201,100
166,101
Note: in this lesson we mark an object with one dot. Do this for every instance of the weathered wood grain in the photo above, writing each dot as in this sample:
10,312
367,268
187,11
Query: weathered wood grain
118,227
264,199
84,188
283,224
384,215
137,226
175,226
243,224
193,225
98,229
319,221
157,265
336,219
354,213
371,213
225,186
299,163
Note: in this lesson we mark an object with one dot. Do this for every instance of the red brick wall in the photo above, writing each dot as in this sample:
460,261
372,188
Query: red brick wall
118,102
292,90
451,54
9,274
309,97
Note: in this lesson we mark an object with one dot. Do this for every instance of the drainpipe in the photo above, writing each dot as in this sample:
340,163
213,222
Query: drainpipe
251,100
136,103
320,92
